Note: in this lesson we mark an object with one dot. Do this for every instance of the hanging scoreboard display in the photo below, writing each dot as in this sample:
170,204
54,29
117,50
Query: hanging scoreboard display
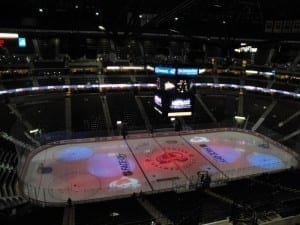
174,94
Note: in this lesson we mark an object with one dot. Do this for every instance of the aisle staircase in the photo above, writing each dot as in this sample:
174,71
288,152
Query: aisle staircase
69,215
160,218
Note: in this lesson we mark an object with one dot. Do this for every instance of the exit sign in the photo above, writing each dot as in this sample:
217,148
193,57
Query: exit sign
1,42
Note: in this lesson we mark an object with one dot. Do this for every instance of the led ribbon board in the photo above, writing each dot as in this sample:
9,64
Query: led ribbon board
180,104
187,71
160,70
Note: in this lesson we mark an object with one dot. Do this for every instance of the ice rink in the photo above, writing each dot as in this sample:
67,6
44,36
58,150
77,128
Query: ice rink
86,170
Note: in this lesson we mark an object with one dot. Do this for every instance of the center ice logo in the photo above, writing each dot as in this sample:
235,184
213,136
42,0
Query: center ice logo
171,158
168,157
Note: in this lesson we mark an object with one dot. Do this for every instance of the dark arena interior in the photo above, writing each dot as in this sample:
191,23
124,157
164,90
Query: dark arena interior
137,112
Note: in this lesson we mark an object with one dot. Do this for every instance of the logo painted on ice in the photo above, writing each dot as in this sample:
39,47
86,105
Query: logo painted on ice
215,156
171,158
124,164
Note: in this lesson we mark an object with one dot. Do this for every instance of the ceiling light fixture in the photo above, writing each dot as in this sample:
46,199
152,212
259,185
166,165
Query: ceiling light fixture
9,35
217,4
101,27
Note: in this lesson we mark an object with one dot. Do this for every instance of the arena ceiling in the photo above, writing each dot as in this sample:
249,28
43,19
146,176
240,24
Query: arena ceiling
188,17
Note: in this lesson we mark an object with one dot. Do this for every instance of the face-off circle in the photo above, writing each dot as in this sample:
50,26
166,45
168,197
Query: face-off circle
171,158
74,153
264,161
77,186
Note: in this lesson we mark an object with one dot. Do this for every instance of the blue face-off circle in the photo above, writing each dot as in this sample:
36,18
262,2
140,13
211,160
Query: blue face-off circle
75,153
265,161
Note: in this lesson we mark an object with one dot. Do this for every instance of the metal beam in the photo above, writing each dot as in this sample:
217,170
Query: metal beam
295,62
182,122
15,141
264,115
100,79
270,55
173,12
36,46
199,99
270,83
16,112
291,135
68,114
241,103
35,82
143,113
37,143
282,123
57,47
106,115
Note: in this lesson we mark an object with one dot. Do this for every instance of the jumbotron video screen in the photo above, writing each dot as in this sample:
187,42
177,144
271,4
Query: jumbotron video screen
174,94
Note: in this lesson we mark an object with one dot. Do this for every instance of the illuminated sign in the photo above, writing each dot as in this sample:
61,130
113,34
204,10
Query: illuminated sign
187,71
181,104
157,100
251,72
246,49
272,73
9,35
201,71
1,42
22,42
169,86
124,68
173,114
165,70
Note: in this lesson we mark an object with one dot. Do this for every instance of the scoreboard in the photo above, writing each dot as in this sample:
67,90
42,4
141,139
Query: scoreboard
175,91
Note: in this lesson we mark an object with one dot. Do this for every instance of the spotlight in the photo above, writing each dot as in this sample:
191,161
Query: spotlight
101,27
